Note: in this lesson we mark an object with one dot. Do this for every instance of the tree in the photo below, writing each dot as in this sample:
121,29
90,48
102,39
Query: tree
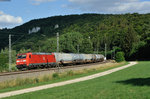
130,32
120,57
130,38
3,62
86,46
50,45
70,41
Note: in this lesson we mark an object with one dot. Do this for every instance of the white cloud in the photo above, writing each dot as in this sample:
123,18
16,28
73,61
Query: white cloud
111,6
7,20
1,13
38,2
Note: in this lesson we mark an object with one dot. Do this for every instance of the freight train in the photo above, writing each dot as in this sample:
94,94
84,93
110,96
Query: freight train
43,60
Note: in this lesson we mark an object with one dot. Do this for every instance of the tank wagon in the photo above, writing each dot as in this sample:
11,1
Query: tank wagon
42,60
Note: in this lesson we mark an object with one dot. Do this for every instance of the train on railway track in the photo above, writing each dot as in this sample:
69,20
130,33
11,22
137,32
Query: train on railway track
44,60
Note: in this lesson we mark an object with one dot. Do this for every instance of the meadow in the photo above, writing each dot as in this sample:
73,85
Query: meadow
21,83
130,83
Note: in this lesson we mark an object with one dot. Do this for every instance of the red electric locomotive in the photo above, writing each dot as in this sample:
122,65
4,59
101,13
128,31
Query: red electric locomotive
34,60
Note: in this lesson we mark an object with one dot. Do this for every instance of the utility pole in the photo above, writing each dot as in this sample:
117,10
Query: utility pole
78,48
57,42
57,34
9,52
114,53
105,51
58,49
39,49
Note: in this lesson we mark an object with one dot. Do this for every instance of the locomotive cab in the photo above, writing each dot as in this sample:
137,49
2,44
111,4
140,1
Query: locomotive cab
22,60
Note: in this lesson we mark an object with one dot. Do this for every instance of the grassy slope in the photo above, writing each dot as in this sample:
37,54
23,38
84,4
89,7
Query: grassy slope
62,79
130,83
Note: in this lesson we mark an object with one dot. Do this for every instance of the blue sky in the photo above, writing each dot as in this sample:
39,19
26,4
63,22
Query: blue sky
16,12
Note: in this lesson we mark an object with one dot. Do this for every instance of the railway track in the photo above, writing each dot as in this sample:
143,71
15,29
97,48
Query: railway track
49,69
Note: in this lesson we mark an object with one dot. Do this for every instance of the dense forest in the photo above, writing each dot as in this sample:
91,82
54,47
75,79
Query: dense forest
86,33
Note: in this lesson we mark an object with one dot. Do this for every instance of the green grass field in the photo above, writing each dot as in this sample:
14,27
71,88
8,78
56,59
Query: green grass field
78,74
130,83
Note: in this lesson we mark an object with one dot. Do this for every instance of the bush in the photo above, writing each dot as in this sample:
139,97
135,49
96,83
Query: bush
14,69
120,57
36,80
55,75
3,62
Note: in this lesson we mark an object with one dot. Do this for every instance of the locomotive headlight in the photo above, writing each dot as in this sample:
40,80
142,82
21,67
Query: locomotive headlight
24,60
18,61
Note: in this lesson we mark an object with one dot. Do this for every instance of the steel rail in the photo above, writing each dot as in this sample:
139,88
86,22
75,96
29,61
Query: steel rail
48,69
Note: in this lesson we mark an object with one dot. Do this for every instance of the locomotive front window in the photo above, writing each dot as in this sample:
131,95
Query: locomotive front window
21,56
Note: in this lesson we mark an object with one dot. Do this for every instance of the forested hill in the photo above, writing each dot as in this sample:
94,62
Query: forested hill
87,33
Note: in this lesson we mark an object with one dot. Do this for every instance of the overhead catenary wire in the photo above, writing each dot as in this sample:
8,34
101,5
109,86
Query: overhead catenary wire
6,36
18,39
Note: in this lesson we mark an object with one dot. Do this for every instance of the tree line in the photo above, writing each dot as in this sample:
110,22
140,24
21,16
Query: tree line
86,33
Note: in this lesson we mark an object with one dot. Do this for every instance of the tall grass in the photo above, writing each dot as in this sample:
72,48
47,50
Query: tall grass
49,77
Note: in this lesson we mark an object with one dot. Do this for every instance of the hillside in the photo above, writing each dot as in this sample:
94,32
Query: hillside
129,33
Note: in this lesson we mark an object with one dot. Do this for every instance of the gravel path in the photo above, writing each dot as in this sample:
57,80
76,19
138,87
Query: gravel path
22,91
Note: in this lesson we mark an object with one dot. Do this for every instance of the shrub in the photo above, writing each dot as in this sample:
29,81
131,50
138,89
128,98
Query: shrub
120,57
14,69
36,80
55,75
3,62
